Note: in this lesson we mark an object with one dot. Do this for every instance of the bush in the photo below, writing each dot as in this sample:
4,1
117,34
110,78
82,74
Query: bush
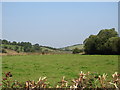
84,81
5,47
76,51
4,51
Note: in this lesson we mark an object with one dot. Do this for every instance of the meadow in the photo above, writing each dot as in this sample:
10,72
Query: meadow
31,67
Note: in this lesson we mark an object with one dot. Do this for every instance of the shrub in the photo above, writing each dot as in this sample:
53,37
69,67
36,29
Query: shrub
4,51
76,50
84,81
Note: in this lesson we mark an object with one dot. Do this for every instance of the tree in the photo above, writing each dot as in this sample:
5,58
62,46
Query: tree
4,42
76,50
14,43
95,44
104,36
16,48
90,44
27,46
36,47
113,45
4,51
107,33
0,41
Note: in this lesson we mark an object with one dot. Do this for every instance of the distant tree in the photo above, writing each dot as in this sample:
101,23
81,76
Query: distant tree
5,47
76,50
21,49
9,43
4,51
4,41
27,49
16,48
27,46
0,41
19,43
36,47
14,43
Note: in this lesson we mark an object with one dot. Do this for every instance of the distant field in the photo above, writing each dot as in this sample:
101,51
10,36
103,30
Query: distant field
31,67
79,46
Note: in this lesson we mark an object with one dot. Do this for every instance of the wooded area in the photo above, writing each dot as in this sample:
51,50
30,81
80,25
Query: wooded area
107,41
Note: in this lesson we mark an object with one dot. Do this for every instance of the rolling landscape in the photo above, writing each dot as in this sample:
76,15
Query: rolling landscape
60,45
16,49
28,62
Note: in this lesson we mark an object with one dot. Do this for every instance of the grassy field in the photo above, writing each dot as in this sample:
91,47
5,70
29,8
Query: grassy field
31,67
79,46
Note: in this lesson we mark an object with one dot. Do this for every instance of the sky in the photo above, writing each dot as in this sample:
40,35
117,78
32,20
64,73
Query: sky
56,24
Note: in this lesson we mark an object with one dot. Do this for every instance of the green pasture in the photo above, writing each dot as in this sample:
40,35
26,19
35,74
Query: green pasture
31,67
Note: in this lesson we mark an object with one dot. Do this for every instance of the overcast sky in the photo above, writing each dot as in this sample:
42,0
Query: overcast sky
57,24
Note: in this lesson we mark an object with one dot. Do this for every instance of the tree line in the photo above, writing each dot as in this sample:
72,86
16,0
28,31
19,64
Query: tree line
107,41
20,46
23,46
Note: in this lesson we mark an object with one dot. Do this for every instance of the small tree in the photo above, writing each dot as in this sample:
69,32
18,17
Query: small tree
14,43
4,51
76,50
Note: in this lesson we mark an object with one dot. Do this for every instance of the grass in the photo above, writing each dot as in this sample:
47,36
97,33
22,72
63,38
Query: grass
31,67
79,46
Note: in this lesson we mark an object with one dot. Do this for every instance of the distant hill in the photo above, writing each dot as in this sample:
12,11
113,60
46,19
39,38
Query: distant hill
70,48
13,48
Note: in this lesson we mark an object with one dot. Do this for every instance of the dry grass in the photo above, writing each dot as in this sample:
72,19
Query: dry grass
84,80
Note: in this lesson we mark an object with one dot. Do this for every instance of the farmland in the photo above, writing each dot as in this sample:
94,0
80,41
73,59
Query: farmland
31,67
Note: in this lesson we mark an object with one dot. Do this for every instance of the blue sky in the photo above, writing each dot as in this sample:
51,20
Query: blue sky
57,24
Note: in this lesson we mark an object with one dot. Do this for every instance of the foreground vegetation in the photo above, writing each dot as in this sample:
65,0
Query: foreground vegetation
31,67
83,81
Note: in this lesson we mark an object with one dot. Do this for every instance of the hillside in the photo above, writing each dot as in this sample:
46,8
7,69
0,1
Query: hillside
70,48
19,50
